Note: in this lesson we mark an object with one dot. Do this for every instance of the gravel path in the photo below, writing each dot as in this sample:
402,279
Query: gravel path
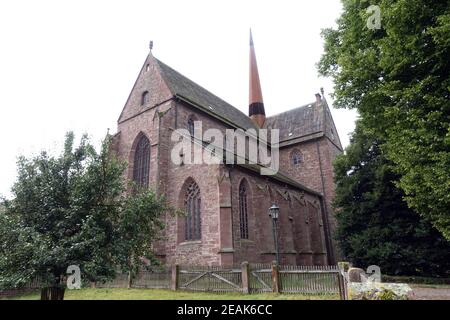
430,293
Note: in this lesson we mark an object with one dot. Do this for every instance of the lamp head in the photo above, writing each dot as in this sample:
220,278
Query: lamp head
274,211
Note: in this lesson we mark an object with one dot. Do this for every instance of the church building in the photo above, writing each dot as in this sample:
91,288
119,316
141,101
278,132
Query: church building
226,205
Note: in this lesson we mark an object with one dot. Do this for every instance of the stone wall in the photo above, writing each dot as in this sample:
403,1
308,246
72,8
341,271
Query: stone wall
315,171
300,227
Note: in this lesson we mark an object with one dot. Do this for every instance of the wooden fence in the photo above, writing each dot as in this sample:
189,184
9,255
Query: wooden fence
156,279
309,279
257,278
245,278
160,279
29,287
120,281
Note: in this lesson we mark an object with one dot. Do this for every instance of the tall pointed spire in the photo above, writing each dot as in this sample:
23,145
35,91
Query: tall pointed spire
256,104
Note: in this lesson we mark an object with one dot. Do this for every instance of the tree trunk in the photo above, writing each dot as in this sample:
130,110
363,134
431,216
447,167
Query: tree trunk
130,280
53,293
130,273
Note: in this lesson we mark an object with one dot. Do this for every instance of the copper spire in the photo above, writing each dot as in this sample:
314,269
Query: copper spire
256,104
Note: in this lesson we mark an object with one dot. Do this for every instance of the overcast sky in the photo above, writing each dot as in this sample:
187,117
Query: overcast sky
70,65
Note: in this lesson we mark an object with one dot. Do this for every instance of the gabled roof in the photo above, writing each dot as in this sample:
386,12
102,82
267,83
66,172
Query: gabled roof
310,121
181,86
298,122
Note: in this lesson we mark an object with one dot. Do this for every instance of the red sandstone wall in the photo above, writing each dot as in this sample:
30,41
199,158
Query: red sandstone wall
318,157
177,250
148,80
300,235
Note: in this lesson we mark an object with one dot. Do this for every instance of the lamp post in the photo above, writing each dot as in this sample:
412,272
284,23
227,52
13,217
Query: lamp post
274,211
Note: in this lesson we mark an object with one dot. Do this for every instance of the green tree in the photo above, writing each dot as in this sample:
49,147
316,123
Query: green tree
398,78
73,209
375,225
139,226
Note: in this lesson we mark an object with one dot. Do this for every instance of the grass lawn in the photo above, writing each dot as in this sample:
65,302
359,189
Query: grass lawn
157,294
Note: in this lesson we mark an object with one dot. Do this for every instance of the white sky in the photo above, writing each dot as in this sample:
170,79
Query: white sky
70,65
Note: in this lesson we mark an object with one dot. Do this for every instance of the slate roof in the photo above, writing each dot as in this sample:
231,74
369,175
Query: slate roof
306,121
298,122
181,86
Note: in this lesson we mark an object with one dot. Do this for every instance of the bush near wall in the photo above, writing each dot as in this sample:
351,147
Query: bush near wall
378,291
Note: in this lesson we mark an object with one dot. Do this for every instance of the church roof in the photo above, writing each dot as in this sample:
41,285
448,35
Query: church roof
185,88
298,122
303,123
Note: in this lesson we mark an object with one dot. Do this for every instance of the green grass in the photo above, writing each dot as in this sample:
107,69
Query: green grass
157,294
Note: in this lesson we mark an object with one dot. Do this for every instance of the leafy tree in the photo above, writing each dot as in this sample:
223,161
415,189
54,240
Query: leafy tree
73,209
375,225
397,77
139,225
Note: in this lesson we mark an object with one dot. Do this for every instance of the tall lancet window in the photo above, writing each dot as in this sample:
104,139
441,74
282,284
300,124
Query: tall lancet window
191,125
145,98
193,212
141,168
243,210
297,158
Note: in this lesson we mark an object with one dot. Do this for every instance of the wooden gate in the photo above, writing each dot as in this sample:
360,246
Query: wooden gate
260,278
212,279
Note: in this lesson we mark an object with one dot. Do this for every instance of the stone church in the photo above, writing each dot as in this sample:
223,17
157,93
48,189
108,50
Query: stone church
226,205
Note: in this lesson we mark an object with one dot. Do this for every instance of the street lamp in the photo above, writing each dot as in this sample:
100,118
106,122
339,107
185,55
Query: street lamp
274,211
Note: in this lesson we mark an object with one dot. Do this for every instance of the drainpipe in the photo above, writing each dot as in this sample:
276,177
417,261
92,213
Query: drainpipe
327,232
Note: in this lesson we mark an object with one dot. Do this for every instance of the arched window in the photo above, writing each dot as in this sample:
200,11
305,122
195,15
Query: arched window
297,158
193,212
144,98
141,166
191,125
243,210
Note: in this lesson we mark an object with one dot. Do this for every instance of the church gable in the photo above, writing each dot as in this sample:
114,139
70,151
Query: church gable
330,128
148,91
310,121
299,122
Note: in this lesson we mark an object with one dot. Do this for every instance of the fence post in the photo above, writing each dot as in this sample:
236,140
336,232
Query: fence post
130,280
245,270
343,271
175,277
341,283
275,278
